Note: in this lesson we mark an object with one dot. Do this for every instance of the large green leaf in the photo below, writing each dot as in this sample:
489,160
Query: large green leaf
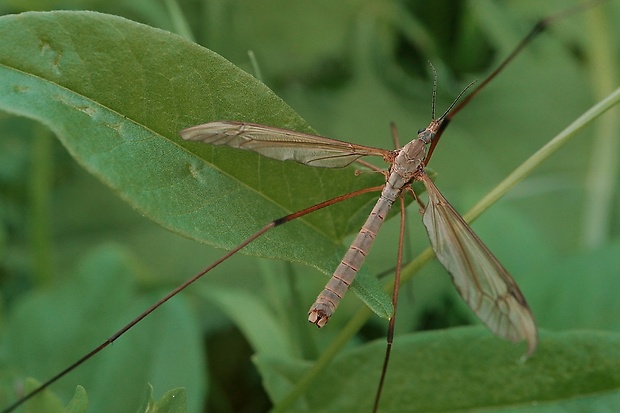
464,369
116,93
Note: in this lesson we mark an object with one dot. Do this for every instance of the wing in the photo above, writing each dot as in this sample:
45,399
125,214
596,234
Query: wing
281,144
482,281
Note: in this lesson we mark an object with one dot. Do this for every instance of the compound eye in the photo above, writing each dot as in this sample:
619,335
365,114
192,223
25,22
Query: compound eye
421,130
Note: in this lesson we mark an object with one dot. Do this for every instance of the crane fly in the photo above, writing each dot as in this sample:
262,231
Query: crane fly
481,280
483,283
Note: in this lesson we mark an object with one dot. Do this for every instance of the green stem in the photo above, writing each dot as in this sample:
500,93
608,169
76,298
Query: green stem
601,179
350,329
179,22
542,154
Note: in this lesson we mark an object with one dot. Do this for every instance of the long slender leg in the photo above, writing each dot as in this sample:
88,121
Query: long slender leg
370,166
540,27
392,323
182,286
395,138
418,200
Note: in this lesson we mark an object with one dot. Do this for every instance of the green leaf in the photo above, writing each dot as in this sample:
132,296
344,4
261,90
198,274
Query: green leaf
147,402
116,93
79,402
252,317
47,401
77,316
463,369
174,401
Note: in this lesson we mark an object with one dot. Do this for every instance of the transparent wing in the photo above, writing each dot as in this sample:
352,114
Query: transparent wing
281,144
482,281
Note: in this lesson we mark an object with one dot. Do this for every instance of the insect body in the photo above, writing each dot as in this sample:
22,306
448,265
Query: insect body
480,279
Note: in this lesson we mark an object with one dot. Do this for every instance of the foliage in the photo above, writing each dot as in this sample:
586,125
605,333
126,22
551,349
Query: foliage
80,260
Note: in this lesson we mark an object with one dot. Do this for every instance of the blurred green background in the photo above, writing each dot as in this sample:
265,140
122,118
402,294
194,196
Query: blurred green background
76,262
